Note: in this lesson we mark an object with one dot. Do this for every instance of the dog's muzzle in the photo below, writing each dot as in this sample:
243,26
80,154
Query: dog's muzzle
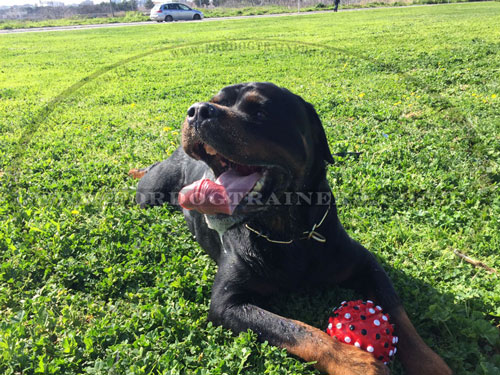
199,112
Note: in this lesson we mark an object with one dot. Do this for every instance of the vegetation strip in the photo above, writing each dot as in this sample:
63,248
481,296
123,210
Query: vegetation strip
210,13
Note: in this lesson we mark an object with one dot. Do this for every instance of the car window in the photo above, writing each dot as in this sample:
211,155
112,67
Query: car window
173,6
184,7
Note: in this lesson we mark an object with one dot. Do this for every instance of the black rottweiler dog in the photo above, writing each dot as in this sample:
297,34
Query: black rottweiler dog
268,147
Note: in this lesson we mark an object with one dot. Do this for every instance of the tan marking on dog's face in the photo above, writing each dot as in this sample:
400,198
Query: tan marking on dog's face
216,99
254,97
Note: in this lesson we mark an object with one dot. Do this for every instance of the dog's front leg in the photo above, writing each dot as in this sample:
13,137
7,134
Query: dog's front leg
417,358
230,307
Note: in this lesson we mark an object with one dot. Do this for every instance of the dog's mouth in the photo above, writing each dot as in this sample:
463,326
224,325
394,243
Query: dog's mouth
221,164
236,186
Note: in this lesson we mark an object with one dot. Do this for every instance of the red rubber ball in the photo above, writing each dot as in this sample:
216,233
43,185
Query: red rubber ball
364,325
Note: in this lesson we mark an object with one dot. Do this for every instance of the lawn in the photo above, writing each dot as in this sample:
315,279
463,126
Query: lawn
91,284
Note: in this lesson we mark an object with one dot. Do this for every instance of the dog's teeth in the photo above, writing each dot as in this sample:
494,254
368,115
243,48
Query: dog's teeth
210,150
258,186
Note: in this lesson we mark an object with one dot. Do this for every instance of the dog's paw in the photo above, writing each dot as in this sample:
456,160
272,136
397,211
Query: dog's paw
432,365
364,363
423,361
431,370
349,360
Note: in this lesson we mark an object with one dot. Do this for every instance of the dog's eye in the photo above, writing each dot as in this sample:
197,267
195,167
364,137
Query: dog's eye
260,115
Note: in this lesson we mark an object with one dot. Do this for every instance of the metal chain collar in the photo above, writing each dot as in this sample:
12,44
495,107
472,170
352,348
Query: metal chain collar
312,234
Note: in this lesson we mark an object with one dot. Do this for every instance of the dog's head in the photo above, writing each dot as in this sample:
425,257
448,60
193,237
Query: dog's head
259,128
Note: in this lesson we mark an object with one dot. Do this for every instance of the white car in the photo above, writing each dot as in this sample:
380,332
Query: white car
173,12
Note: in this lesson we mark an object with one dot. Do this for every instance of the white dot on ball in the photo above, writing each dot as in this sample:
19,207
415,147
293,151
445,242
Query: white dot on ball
385,363
370,348
347,339
330,325
339,325
394,340
395,350
347,316
378,307
384,317
391,352
368,301
343,302
376,322
371,311
397,339
357,344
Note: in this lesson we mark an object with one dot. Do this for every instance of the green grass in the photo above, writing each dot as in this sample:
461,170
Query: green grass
91,284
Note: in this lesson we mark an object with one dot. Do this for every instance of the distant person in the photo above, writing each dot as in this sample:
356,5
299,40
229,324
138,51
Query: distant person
336,2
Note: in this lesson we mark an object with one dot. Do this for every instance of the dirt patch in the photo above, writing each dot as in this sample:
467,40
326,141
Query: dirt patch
412,115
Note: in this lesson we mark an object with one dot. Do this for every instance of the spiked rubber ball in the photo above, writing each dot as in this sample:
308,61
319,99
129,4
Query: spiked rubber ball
364,325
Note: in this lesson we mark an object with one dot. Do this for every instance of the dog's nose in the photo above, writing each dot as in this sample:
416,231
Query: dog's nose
200,111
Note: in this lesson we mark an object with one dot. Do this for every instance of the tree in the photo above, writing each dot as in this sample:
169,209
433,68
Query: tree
149,4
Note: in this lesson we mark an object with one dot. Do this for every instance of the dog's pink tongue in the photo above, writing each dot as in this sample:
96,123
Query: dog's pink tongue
219,197
206,197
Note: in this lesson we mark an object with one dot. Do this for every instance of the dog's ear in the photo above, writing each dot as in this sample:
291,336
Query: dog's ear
320,141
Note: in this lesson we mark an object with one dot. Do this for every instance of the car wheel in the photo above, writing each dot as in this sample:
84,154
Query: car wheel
196,17
169,19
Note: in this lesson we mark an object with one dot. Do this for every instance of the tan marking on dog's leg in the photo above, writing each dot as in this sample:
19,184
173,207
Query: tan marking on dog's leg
416,357
136,173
